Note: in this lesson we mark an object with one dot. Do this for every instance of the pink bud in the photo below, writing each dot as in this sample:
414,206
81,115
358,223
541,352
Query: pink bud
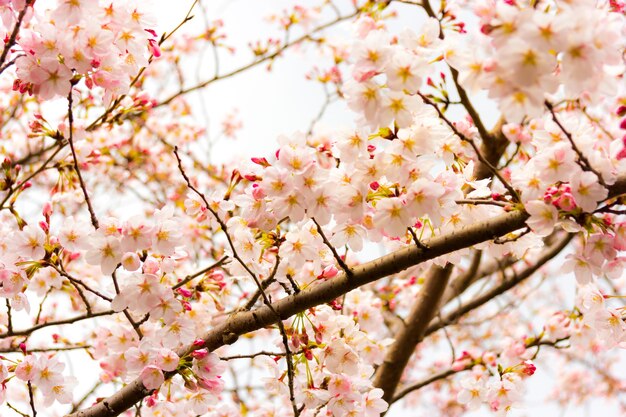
154,48
566,202
47,209
329,272
261,161
374,185
198,342
200,353
184,292
151,402
44,226
528,368
308,354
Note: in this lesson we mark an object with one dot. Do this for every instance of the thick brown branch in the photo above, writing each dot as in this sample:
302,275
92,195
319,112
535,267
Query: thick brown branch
248,321
389,373
499,289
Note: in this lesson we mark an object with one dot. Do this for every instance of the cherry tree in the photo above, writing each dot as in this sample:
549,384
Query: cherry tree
461,231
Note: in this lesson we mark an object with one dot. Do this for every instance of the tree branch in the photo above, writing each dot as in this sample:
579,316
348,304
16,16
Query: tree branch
248,321
389,372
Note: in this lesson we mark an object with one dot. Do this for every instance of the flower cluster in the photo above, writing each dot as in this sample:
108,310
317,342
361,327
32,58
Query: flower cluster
104,42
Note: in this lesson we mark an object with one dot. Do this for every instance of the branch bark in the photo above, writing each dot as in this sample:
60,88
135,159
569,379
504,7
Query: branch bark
249,321
389,372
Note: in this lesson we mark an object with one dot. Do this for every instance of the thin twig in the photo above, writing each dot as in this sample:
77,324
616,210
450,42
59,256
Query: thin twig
582,159
480,157
72,320
338,258
266,300
416,240
16,29
477,202
125,311
70,116
253,355
191,277
82,400
31,398
256,62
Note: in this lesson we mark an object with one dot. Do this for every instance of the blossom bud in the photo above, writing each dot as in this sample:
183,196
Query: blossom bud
184,292
151,402
318,337
308,354
528,368
486,29
295,340
154,48
329,272
47,210
200,353
566,202
261,161
44,226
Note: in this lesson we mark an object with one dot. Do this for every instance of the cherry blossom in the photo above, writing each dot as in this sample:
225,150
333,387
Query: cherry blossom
445,230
